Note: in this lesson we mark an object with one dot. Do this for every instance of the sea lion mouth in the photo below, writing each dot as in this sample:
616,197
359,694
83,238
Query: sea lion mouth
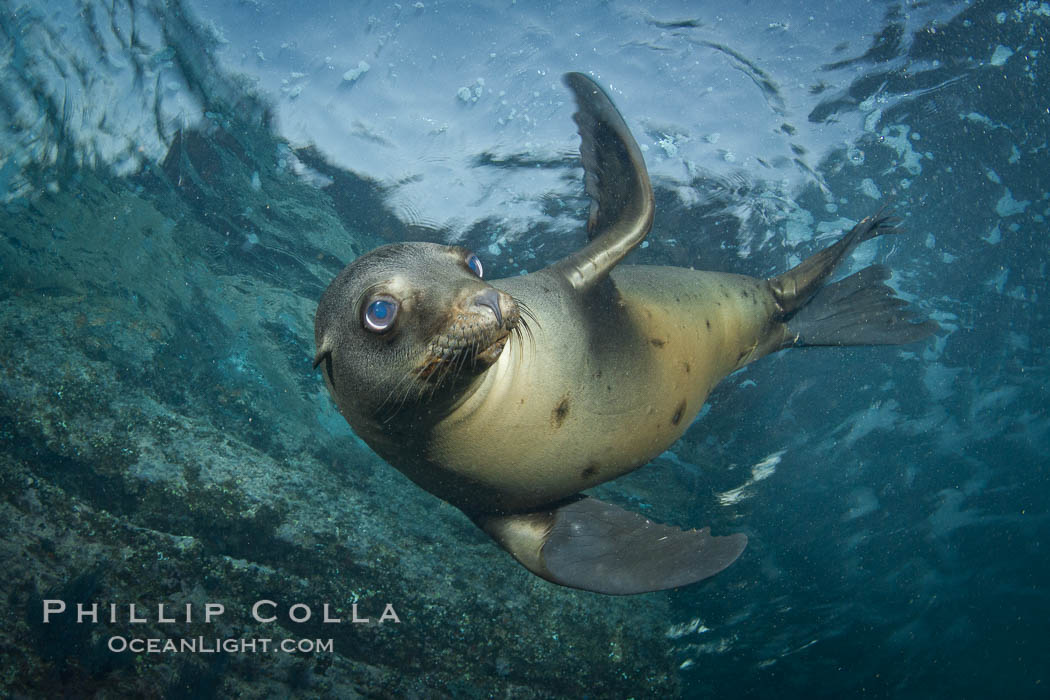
493,351
473,340
456,350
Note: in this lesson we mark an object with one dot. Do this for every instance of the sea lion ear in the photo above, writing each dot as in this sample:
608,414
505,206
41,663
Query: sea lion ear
323,351
617,182
600,547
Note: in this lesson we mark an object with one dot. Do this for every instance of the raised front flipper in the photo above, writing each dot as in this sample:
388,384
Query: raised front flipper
600,547
617,182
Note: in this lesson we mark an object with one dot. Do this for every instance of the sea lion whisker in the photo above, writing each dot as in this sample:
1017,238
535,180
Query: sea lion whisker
413,378
393,390
470,354
443,371
447,368
428,388
526,315
518,333
524,327
461,360
406,382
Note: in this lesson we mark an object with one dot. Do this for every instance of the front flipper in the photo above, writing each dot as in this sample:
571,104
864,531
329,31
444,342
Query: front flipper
617,182
600,547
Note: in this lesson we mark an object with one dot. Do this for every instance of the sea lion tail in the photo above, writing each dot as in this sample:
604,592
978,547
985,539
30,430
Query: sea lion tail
857,310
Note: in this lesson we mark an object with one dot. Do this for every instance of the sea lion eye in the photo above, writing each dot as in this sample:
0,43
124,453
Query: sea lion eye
380,314
474,263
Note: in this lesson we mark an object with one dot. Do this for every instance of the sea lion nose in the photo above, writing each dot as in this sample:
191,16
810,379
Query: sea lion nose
490,298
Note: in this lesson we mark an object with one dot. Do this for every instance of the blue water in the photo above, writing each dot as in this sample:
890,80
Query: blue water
895,498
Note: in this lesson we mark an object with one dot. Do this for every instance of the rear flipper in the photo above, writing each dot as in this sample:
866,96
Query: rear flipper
600,547
857,310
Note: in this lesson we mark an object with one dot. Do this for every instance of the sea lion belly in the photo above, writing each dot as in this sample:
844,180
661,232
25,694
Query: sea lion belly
605,385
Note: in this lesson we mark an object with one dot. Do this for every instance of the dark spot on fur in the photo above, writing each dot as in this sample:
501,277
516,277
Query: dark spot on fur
657,342
677,300
708,322
560,412
608,387
687,368
589,471
677,417
743,293
598,374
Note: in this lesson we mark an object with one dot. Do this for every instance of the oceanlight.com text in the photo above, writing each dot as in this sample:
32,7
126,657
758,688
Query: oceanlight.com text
213,645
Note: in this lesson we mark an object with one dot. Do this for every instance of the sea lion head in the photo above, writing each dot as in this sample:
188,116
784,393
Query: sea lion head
409,323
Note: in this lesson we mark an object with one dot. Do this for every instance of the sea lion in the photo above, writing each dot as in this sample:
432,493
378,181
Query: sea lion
507,399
